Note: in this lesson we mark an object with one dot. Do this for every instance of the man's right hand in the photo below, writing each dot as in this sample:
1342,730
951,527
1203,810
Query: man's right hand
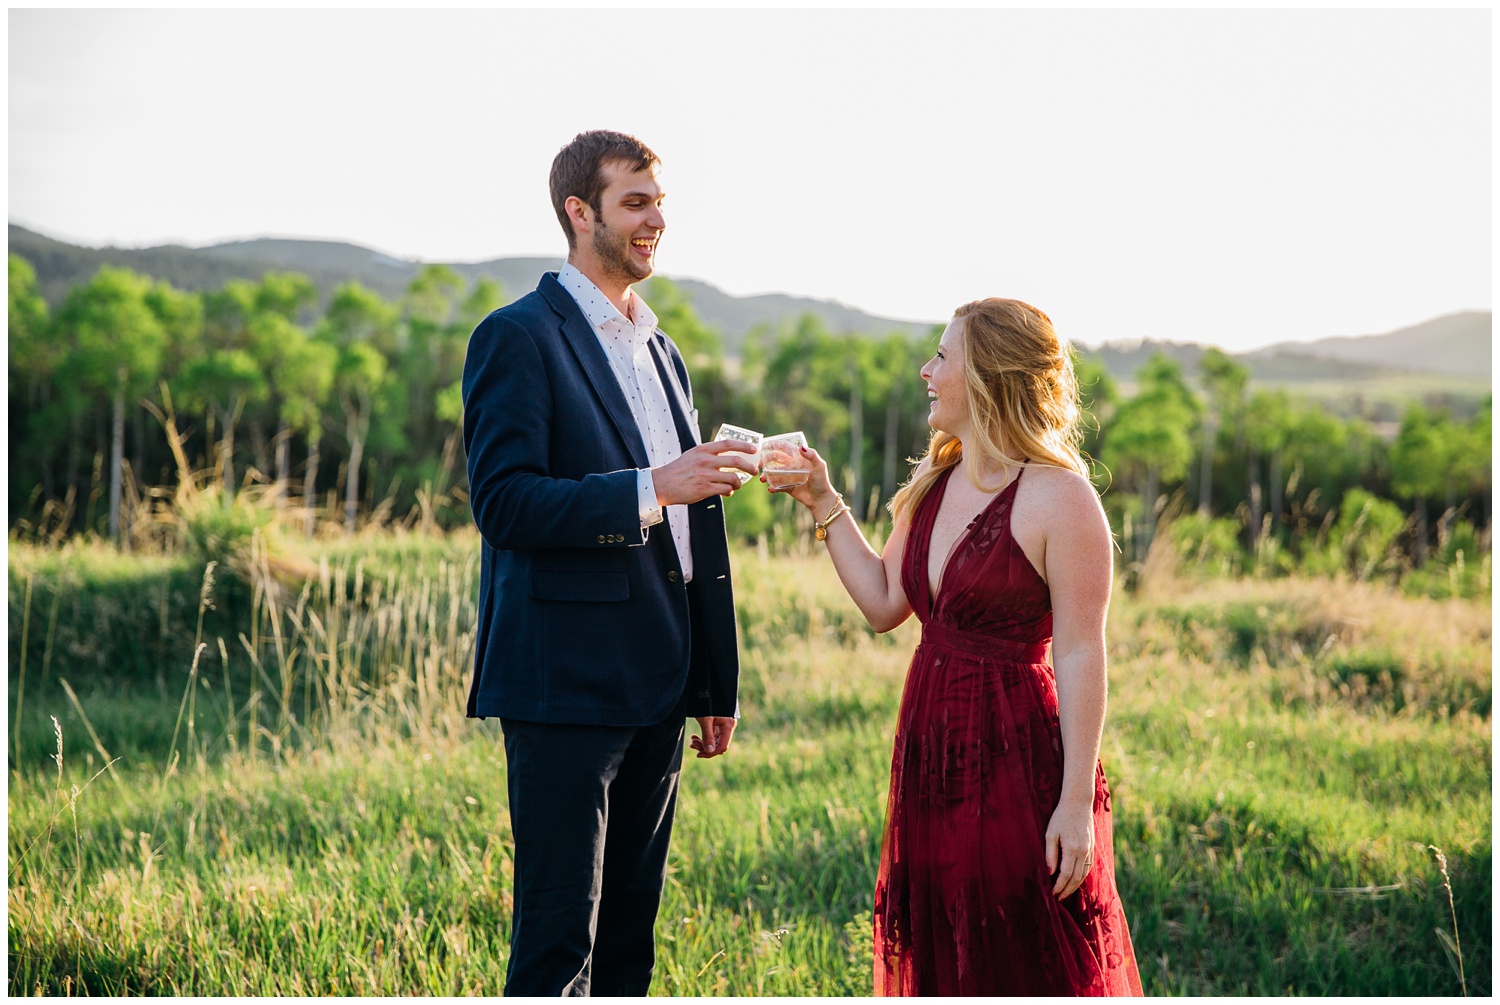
696,475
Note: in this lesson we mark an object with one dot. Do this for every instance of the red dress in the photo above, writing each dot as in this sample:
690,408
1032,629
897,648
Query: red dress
963,900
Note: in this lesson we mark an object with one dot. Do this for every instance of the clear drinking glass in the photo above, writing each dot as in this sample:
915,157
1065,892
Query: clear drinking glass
750,436
782,460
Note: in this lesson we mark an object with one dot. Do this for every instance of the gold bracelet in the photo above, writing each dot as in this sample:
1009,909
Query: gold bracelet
838,501
820,528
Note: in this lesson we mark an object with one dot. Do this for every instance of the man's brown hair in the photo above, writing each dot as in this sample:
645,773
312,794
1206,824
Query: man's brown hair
578,170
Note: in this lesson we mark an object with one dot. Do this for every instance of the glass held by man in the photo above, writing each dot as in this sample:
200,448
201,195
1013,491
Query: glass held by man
750,436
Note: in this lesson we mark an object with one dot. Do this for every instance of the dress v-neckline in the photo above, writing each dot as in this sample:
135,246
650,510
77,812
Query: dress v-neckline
933,592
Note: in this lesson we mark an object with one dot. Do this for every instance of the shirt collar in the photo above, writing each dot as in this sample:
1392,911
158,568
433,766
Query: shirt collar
601,312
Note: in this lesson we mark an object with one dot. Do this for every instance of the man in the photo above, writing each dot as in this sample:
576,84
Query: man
605,610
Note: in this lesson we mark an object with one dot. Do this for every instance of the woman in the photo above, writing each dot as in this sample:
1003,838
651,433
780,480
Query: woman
997,872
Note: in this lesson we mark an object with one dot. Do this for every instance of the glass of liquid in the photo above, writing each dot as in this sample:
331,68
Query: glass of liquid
750,436
782,460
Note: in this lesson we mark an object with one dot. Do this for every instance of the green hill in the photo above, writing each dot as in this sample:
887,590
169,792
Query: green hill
1446,358
330,263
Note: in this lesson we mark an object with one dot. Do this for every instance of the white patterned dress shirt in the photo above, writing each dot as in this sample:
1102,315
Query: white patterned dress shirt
626,343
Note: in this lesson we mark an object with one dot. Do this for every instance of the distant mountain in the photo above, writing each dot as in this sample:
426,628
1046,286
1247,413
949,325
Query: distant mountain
1125,359
1455,346
333,257
329,263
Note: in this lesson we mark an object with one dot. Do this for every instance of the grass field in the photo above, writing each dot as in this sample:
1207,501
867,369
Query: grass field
302,809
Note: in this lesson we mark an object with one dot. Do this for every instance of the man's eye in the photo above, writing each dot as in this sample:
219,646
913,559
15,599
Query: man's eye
940,355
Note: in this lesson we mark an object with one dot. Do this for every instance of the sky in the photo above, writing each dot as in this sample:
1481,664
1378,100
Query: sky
1234,178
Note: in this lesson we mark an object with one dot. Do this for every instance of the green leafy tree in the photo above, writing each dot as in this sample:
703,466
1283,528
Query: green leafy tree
181,316
432,356
450,411
358,378
446,418
1268,427
1150,440
299,377
33,356
811,382
1098,397
1468,452
33,353
119,343
433,294
1225,381
265,326
227,314
357,314
285,294
1325,457
305,382
1419,463
895,377
484,296
859,364
225,381
364,329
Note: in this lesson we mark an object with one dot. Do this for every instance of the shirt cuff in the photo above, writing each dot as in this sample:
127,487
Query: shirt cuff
645,491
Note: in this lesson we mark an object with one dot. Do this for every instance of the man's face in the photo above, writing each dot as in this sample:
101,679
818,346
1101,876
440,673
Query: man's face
630,223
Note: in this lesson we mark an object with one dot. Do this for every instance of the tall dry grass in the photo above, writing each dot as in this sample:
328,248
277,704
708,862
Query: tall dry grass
293,802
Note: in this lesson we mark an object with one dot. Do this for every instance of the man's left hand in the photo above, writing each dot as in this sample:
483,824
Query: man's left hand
715,731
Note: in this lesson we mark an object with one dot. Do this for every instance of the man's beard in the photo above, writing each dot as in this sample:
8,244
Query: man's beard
615,257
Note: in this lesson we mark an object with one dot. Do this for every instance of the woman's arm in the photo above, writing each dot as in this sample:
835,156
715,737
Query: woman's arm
872,581
1078,557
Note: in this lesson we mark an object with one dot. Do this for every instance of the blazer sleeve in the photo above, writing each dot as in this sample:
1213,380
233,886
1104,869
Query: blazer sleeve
518,501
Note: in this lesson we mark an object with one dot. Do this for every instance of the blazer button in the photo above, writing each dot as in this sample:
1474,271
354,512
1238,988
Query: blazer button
601,538
672,575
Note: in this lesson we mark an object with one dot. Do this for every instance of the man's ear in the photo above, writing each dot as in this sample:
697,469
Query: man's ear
580,214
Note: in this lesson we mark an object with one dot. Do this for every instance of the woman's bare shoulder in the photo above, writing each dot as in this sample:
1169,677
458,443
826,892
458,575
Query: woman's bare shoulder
1058,479
1058,495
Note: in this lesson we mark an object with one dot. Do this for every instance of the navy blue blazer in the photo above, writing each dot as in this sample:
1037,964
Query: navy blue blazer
583,616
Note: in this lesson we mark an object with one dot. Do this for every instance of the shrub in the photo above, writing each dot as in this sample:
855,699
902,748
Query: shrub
213,526
1362,541
1212,544
1459,568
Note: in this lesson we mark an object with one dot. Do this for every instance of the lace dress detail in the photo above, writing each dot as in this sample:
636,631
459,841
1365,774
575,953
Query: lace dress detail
963,899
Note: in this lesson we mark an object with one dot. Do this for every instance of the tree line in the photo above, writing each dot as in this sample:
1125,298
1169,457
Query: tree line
351,408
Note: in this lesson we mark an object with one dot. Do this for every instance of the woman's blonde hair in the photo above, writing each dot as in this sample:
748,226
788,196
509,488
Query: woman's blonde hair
1023,398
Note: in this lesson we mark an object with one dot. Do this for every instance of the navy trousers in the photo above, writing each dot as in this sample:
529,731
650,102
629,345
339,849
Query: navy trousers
591,809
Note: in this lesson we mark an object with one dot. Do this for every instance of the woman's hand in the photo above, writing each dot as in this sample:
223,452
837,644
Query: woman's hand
1070,846
873,580
817,492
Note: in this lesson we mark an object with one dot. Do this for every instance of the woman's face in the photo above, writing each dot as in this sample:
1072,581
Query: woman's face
948,408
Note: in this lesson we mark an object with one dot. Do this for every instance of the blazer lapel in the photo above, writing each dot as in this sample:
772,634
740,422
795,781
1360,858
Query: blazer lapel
579,335
682,409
